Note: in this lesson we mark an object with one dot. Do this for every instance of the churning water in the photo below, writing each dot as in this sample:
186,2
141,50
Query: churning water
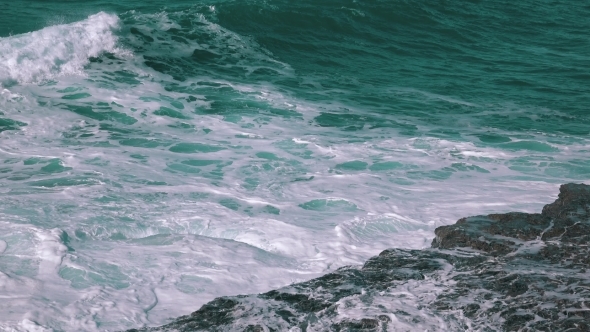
157,154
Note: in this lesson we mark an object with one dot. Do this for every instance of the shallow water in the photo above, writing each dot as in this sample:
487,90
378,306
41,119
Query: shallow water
154,156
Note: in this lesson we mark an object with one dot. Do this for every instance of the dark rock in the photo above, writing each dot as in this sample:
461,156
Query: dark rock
302,302
500,272
254,328
210,317
573,202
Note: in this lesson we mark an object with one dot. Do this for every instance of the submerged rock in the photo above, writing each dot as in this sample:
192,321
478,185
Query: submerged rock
500,272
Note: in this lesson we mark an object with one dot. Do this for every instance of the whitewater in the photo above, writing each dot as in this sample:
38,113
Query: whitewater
152,160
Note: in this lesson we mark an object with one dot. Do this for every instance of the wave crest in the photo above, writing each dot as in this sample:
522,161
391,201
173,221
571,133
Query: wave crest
56,50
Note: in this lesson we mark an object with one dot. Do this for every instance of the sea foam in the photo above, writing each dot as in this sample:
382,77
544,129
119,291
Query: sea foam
56,50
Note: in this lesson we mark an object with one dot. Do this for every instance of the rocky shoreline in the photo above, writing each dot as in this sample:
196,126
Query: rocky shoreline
500,272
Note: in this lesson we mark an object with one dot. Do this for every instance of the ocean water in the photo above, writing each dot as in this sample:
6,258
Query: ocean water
155,155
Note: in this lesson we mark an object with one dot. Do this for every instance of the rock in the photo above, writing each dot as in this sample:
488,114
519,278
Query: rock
500,272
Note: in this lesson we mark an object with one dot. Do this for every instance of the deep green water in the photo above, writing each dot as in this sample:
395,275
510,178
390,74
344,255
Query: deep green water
154,155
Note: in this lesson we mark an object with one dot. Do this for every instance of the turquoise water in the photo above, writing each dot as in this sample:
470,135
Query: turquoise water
155,155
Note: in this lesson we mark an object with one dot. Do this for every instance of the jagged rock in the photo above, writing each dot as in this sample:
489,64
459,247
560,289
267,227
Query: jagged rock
501,272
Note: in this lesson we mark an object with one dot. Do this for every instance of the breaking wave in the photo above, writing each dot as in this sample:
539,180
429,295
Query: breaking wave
56,50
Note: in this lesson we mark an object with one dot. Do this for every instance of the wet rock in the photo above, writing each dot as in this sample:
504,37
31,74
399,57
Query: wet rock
254,328
302,302
365,324
210,317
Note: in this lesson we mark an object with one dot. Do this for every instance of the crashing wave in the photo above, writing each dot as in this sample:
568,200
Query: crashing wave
508,272
56,50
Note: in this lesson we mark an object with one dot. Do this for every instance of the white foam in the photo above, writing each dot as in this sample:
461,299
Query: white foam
57,50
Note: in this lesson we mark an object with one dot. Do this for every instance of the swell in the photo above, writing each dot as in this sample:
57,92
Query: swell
492,54
499,59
